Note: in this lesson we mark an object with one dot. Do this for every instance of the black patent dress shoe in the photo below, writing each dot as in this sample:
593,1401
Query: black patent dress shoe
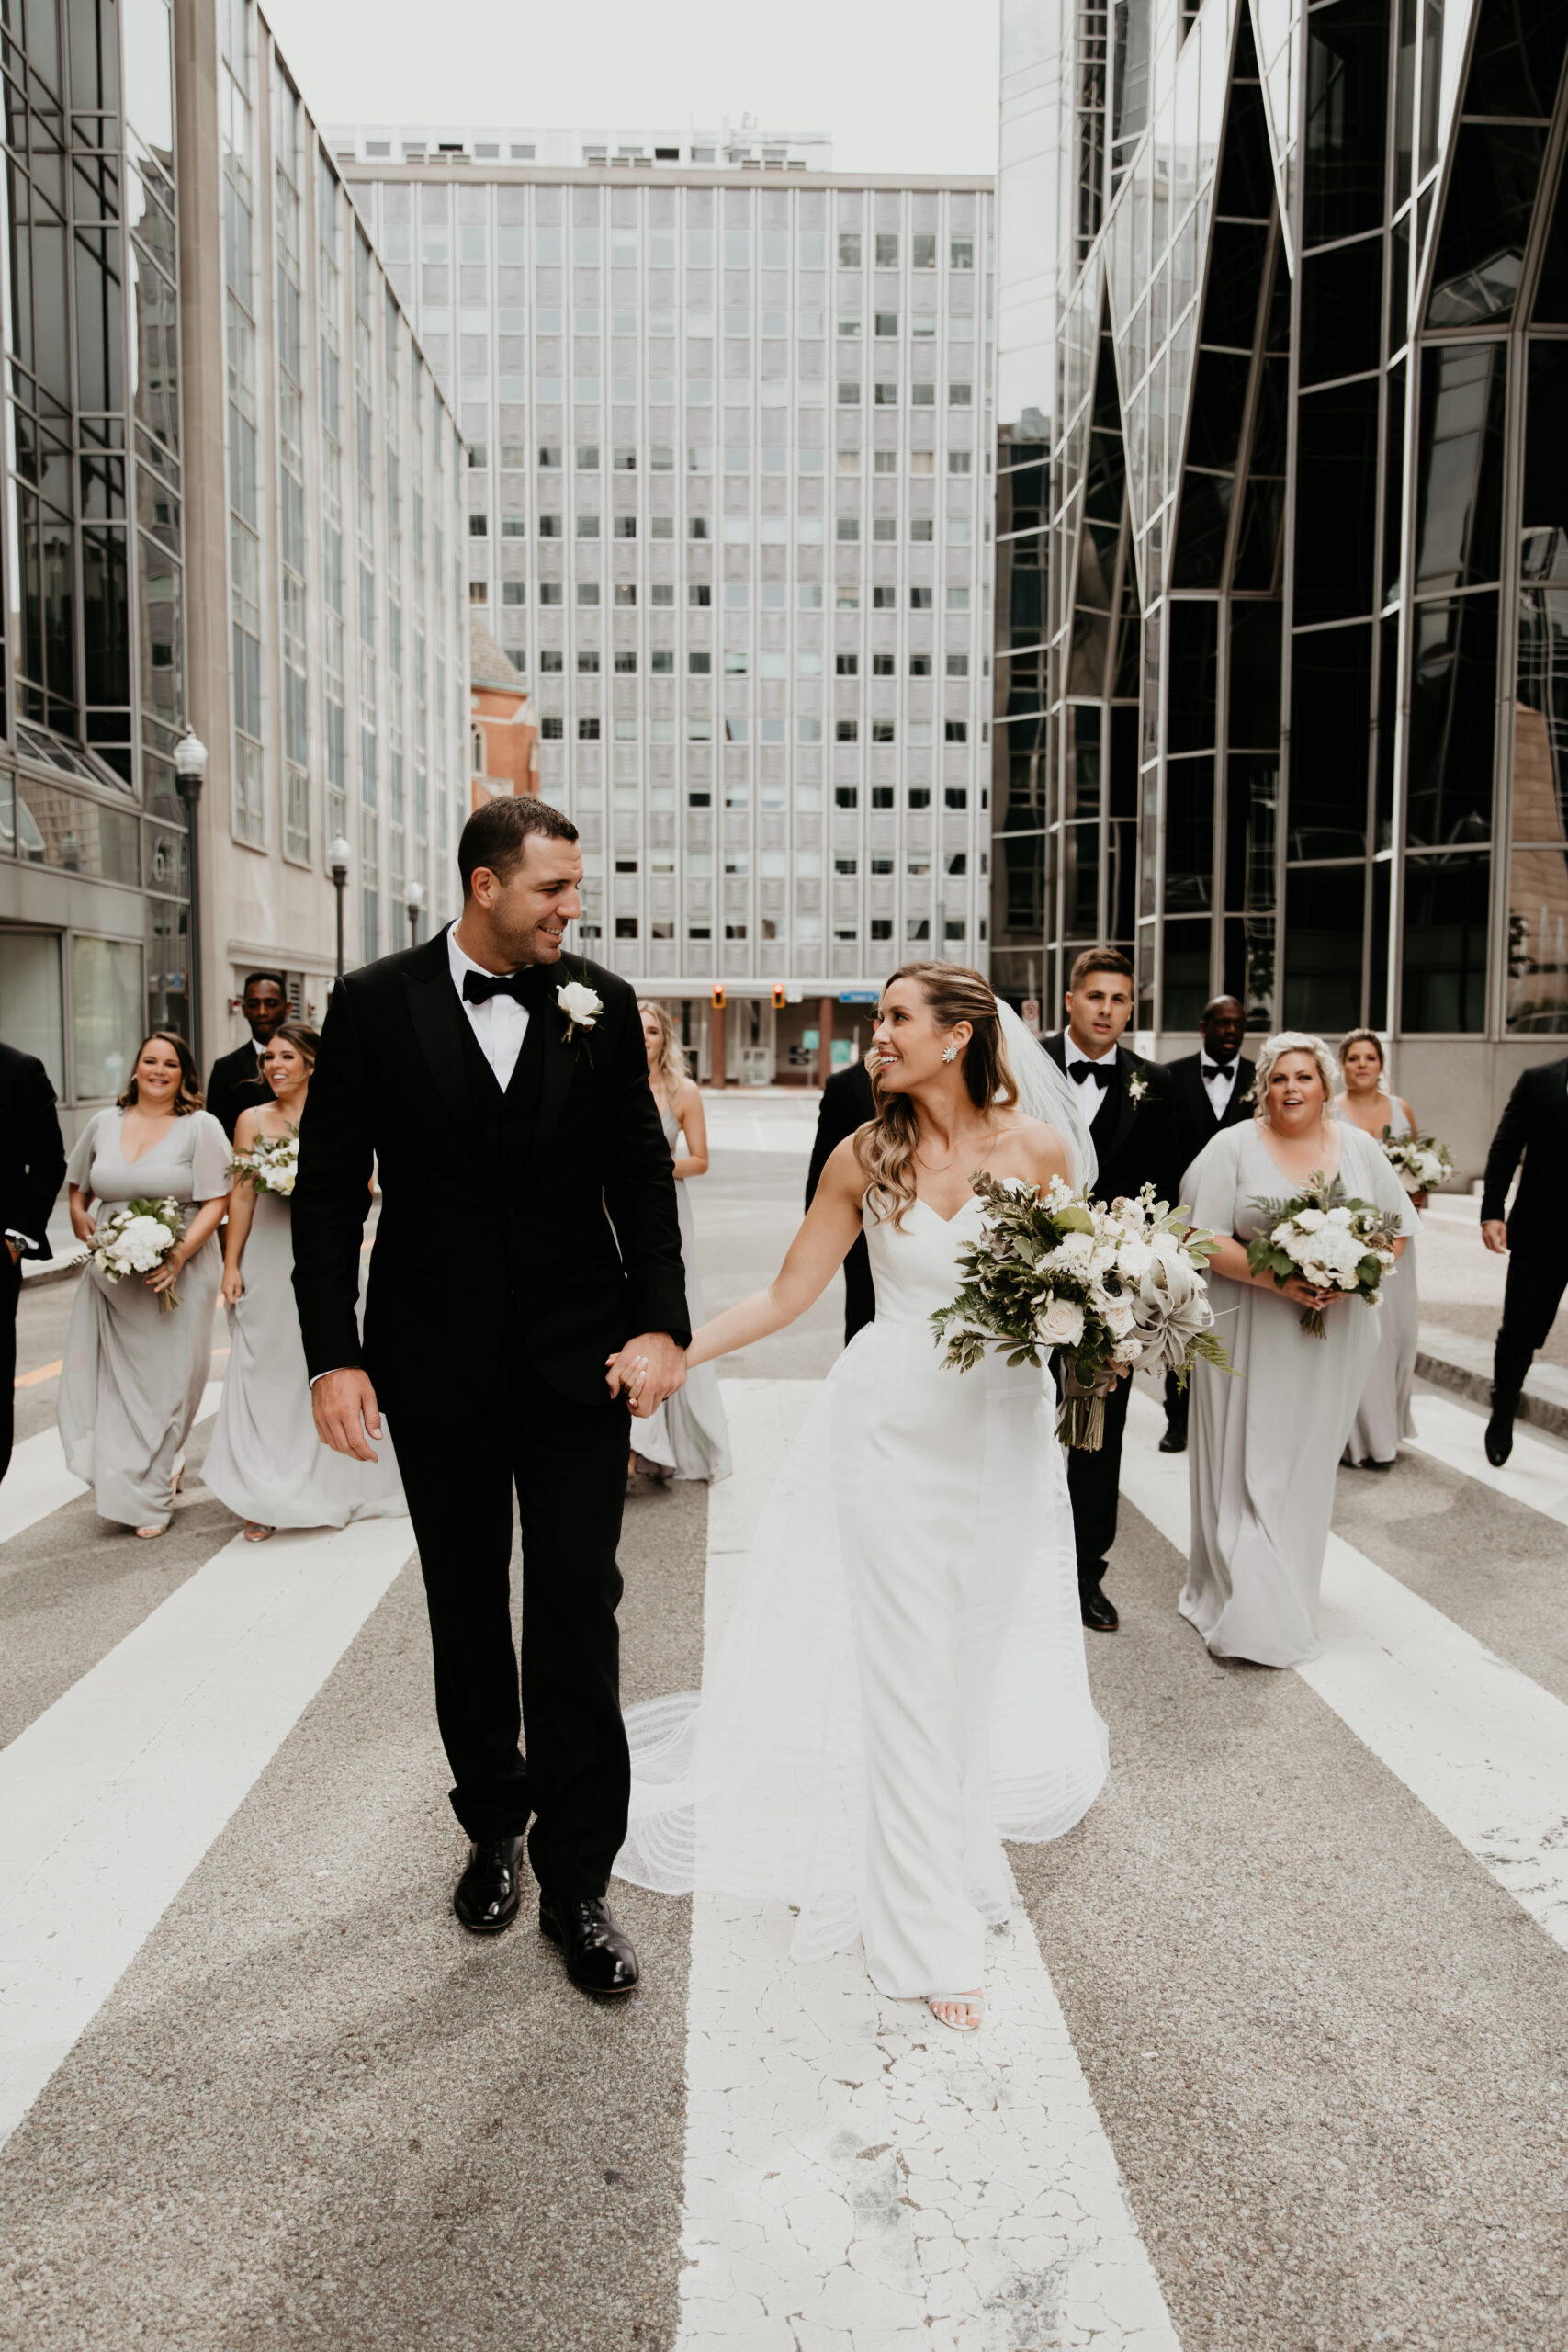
1499,1439
1174,1441
488,1896
599,1957
1097,1612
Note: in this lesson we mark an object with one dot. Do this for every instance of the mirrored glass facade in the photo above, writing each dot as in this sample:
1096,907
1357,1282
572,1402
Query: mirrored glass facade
1282,575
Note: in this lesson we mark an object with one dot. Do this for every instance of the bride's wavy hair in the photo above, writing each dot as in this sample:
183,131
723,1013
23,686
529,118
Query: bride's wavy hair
953,993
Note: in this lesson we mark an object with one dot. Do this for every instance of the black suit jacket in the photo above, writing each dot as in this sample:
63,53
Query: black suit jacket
1133,1137
1533,1126
32,1155
234,1086
847,1104
555,1252
1192,1120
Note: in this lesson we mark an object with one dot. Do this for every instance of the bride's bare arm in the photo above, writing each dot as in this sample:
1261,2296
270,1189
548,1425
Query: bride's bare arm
831,1227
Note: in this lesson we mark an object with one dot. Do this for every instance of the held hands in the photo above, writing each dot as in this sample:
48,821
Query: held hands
347,1414
646,1371
1494,1233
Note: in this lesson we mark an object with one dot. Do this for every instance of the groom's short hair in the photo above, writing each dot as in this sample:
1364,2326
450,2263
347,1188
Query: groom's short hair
497,835
1099,959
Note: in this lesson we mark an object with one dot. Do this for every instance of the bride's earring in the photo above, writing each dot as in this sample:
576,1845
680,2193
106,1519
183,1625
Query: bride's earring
950,1053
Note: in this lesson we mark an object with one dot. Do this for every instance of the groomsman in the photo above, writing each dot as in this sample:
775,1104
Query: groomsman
1533,1127
32,1169
847,1104
1130,1124
236,1083
1208,1090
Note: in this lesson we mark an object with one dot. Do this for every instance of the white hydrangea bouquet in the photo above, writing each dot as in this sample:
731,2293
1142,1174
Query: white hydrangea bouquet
272,1164
1332,1241
137,1239
1108,1286
1420,1162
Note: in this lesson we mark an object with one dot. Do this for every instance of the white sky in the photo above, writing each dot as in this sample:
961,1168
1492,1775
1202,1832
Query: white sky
900,86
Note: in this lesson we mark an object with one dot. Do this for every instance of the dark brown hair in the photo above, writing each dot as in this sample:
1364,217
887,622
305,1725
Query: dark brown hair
497,835
953,993
189,1097
1100,959
1363,1037
302,1036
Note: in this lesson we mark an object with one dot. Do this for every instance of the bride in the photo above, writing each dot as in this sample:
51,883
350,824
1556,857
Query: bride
902,1684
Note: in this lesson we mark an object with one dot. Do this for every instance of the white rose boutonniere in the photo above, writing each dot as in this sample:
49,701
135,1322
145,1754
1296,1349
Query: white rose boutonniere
581,1004
1136,1088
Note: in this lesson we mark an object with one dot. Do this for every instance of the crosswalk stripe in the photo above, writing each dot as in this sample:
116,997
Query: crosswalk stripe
110,1798
1483,1747
38,1482
855,2174
1535,1473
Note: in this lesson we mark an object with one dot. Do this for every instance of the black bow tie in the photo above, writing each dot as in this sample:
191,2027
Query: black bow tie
1218,1069
1099,1071
480,987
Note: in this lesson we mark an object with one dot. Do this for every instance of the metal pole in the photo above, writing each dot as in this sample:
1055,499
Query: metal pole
190,773
340,881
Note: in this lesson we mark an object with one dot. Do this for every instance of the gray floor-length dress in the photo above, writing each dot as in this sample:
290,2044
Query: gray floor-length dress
688,1433
1264,1445
1383,1416
133,1375
265,1461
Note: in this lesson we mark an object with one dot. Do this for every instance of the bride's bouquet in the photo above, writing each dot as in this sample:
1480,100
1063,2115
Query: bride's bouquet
1108,1287
1420,1162
272,1164
1332,1241
137,1239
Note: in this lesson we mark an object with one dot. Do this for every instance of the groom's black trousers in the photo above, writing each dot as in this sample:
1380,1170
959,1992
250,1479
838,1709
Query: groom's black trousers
1094,1483
568,1462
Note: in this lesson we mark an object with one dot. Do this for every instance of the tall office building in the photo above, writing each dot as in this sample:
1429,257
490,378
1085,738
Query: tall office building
1282,513
727,423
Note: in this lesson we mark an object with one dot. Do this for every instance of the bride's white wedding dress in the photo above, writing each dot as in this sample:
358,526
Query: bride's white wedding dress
902,1684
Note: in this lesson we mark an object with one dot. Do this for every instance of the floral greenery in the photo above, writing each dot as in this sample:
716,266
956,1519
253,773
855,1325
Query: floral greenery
1106,1286
1420,1162
272,1164
1333,1242
137,1239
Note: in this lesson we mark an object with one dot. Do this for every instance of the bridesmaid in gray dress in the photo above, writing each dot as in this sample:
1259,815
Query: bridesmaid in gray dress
1383,1416
265,1461
688,1437
1265,1443
134,1374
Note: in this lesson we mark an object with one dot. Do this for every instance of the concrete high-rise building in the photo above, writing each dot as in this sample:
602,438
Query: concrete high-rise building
1281,507
727,420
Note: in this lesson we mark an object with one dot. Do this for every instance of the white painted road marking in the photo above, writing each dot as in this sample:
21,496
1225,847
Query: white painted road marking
38,1481
1483,1747
857,2178
1535,1473
112,1796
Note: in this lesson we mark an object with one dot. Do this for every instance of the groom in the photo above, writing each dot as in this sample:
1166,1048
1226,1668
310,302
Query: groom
1127,1105
528,1226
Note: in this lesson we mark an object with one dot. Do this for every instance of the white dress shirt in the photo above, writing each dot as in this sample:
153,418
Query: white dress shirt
501,1024
1219,1084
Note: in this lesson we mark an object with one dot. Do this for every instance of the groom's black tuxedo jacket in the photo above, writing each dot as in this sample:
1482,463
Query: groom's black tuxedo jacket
1132,1137
1534,1123
540,1224
1192,1120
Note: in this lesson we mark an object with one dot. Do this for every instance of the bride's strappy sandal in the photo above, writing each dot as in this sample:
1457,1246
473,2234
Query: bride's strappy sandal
973,2002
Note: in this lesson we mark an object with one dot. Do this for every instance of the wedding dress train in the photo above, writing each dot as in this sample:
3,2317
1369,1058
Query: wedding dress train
902,1684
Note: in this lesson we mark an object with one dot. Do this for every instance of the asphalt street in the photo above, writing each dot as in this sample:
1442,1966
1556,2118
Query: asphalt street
1278,2052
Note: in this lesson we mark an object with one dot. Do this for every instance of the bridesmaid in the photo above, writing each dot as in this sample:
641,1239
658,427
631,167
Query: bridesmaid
1383,1416
1265,1443
134,1374
265,1461
688,1437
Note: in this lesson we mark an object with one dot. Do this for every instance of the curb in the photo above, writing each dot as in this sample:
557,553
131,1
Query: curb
1461,1380
52,1270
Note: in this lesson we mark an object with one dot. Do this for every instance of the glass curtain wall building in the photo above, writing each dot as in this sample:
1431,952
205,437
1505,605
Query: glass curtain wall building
328,624
1281,496
726,509
94,872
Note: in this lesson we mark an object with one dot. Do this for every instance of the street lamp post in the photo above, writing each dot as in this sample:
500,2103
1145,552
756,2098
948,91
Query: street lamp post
337,859
413,899
190,774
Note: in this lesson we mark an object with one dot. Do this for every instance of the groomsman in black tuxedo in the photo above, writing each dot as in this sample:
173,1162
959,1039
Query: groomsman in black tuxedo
847,1104
528,1227
1130,1124
1208,1090
32,1169
236,1083
1533,1127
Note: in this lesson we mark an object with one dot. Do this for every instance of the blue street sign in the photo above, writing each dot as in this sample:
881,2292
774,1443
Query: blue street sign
860,996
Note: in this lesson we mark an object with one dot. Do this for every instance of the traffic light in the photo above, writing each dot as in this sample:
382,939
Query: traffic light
779,997
716,999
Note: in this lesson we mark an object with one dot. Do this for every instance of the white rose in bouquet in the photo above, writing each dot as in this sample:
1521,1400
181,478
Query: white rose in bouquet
1061,1325
1119,1315
1307,1221
140,1245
